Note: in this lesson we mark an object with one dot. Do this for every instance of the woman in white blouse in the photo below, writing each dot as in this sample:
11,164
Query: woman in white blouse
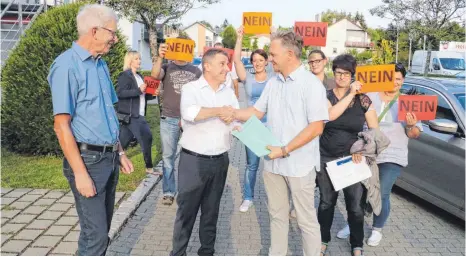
131,107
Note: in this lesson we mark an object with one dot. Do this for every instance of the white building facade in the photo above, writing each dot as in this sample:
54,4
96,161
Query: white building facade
345,35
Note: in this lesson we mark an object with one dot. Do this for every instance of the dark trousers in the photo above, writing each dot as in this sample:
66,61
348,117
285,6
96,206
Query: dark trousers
200,184
355,202
95,213
139,128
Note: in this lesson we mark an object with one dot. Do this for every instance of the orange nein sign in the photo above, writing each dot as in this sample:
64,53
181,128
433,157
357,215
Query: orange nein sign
423,106
180,49
313,33
257,22
376,78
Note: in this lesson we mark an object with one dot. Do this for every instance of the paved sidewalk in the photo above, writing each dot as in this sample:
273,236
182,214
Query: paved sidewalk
39,222
413,228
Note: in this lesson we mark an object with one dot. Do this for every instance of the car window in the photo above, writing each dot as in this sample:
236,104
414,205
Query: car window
461,98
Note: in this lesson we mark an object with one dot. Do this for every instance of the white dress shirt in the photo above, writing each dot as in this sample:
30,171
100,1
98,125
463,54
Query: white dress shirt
142,97
211,136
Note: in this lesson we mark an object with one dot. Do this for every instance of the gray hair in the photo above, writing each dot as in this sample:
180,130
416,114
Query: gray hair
210,54
94,15
290,40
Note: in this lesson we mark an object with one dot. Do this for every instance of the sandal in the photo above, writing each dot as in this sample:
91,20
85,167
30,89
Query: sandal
324,251
361,251
153,171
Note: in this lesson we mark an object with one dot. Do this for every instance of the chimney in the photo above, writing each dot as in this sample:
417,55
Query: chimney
317,17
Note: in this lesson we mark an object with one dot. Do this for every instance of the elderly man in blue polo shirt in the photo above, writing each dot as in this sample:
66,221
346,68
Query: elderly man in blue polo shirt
87,126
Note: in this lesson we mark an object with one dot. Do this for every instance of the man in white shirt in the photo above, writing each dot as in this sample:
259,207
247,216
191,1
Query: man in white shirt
232,77
202,172
296,105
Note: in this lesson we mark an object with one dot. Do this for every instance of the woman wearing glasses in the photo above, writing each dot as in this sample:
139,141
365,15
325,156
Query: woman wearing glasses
254,84
348,112
317,62
395,157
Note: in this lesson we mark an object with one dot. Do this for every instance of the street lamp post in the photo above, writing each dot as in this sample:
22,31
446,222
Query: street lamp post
409,56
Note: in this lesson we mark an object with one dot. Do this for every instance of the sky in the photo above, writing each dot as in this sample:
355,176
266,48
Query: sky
284,12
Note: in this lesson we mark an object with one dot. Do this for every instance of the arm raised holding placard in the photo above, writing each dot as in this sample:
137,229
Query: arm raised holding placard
239,66
157,71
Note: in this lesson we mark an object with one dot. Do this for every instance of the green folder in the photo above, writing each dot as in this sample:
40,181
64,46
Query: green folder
256,136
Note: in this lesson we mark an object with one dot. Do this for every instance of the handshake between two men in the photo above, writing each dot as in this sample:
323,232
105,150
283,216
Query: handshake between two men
227,114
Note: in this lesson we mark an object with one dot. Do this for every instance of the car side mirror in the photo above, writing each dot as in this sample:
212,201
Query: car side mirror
436,66
443,126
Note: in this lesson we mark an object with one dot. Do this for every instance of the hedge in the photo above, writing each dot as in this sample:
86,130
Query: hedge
27,117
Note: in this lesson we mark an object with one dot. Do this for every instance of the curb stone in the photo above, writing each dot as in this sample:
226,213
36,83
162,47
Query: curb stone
129,206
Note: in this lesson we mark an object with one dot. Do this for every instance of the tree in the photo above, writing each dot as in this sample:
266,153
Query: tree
359,18
331,17
426,17
254,45
26,110
229,37
246,44
225,24
207,24
266,48
383,54
152,12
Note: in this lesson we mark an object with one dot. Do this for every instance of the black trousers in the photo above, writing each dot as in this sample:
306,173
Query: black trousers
200,184
139,128
355,202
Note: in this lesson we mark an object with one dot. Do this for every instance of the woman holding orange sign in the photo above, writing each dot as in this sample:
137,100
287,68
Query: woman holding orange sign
254,84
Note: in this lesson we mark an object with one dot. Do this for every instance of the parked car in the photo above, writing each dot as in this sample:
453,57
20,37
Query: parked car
441,62
197,61
248,65
436,169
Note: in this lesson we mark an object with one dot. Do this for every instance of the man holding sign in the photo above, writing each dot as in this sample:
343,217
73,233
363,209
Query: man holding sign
395,157
173,76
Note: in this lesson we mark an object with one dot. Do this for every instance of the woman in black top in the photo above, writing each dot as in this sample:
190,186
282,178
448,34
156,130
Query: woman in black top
348,111
132,100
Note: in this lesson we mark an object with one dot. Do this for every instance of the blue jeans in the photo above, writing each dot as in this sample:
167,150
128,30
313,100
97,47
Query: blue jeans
170,135
95,213
250,174
388,173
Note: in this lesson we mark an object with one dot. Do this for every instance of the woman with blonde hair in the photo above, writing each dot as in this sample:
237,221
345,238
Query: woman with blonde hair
131,107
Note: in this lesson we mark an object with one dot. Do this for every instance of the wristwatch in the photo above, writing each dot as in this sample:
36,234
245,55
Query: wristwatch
285,154
121,153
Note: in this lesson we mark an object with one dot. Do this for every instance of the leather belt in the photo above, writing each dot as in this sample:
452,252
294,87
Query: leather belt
98,148
202,155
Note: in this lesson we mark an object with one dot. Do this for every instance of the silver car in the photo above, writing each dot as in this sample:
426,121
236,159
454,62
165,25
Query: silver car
436,167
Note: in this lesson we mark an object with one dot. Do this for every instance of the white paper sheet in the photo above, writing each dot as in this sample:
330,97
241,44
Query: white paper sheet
344,172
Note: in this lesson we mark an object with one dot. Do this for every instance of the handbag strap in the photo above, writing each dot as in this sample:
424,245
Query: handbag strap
392,102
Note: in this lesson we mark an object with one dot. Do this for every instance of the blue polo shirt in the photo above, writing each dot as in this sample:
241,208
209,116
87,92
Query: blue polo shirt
81,87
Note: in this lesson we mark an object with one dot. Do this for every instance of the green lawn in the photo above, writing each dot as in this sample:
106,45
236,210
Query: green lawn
46,171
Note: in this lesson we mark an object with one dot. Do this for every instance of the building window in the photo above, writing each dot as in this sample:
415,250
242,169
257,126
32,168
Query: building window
208,43
334,50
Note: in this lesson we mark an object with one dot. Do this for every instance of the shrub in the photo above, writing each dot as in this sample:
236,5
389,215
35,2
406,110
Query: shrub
27,116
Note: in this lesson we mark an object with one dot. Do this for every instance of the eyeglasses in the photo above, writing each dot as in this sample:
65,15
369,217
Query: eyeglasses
342,74
314,62
109,30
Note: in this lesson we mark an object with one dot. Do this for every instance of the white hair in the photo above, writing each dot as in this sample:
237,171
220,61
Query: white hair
94,15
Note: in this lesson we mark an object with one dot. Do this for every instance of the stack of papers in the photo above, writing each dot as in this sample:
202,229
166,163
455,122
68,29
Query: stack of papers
344,172
256,136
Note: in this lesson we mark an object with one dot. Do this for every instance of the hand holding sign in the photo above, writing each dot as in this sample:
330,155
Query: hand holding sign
239,33
152,85
180,49
355,87
162,50
376,78
143,87
257,22
422,107
411,119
